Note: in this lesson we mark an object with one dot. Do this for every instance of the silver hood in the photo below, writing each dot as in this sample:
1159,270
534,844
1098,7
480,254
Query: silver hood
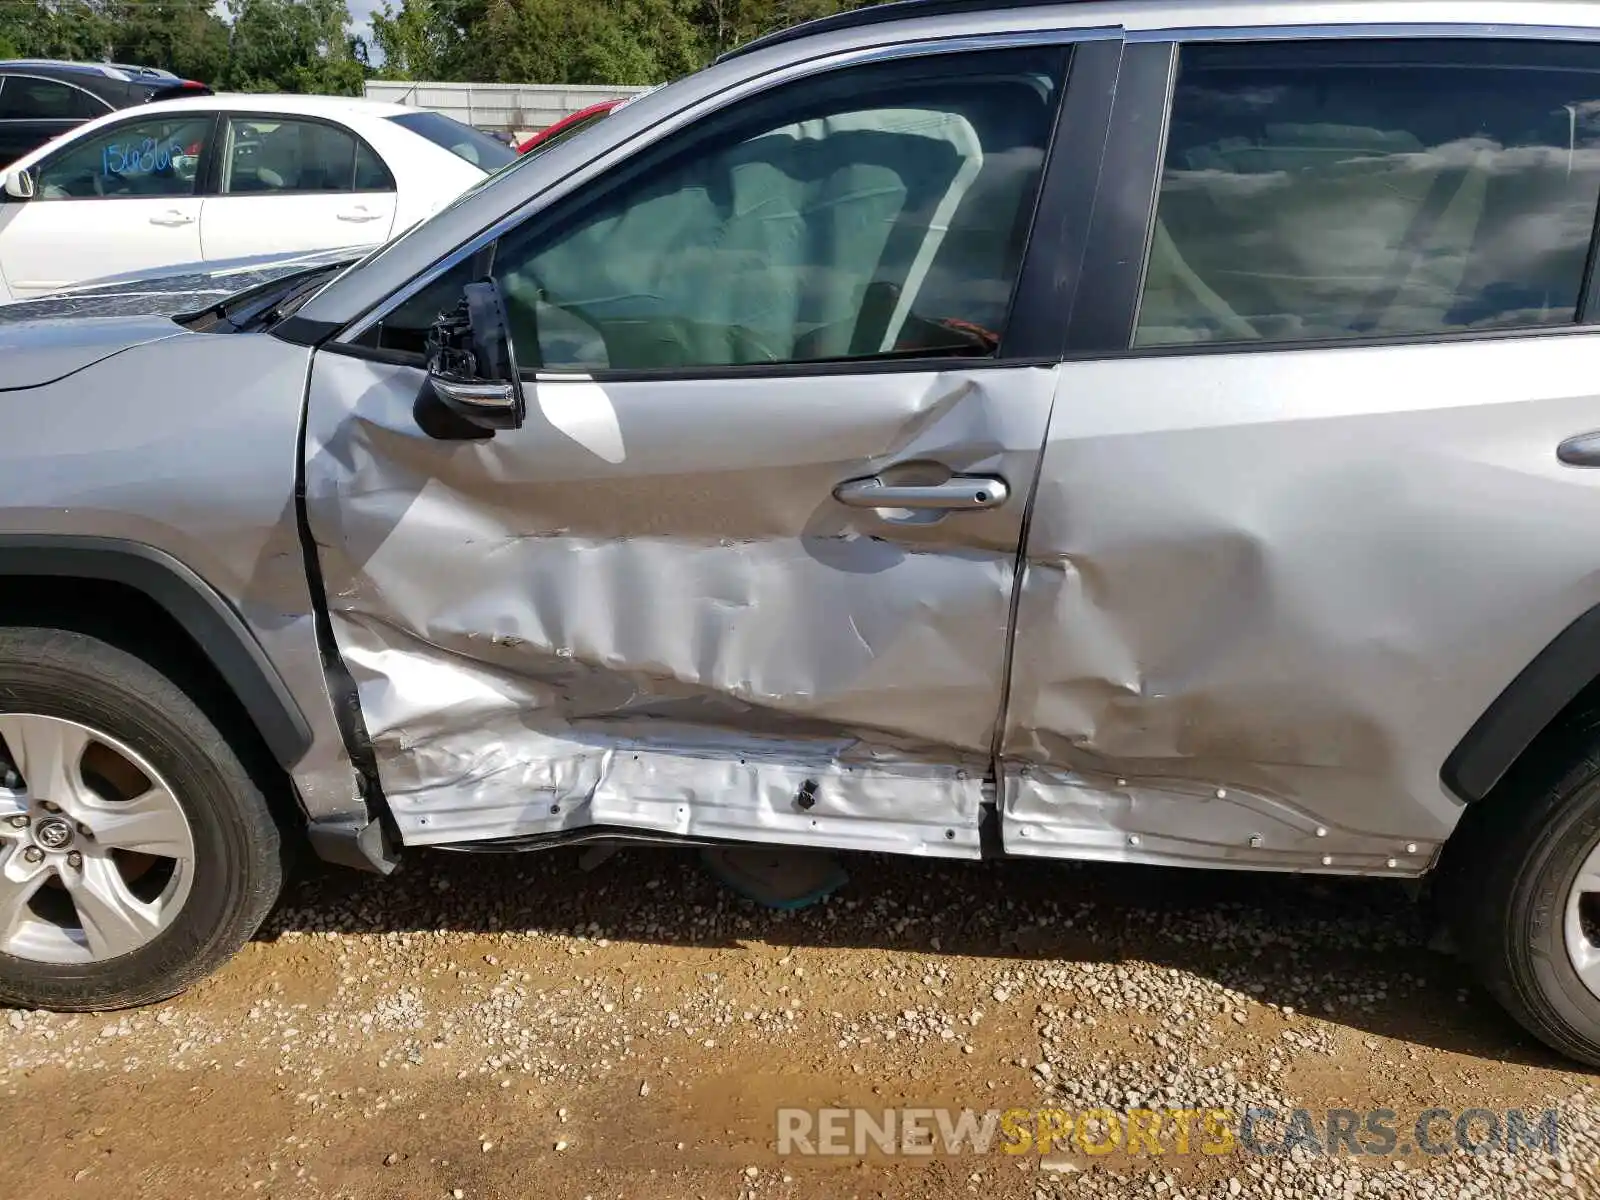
37,352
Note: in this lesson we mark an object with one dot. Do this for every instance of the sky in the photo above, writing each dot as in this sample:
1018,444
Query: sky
361,24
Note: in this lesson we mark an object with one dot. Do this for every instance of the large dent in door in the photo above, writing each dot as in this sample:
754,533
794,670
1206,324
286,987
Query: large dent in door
1267,593
744,661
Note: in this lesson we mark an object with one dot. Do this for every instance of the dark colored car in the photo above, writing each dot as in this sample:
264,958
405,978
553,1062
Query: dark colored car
41,99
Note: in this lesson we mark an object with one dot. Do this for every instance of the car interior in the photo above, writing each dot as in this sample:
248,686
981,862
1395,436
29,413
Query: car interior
887,230
287,156
883,230
159,159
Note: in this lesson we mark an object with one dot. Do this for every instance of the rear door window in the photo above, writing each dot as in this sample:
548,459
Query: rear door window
466,143
1344,189
371,174
273,154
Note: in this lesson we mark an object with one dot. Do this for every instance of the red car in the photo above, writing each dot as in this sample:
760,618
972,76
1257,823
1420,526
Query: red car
569,125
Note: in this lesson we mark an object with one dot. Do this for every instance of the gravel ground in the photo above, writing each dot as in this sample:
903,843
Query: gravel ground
520,1026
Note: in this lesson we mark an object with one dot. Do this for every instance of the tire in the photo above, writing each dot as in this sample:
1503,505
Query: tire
238,856
1510,879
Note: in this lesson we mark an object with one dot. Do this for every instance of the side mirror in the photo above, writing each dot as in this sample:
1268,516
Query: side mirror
18,185
472,370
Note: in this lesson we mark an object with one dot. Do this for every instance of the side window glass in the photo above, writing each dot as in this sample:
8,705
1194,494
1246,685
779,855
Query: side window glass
876,212
1340,190
272,155
405,328
27,99
157,157
371,174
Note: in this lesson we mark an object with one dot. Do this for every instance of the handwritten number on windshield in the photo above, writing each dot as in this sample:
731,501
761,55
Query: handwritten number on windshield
139,158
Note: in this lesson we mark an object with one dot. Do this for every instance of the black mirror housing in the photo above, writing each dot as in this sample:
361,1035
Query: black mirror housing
472,367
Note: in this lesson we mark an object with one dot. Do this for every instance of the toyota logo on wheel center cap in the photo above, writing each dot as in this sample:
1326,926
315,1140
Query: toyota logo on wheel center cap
52,833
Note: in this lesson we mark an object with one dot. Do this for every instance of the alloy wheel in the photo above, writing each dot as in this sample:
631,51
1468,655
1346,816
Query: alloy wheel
96,854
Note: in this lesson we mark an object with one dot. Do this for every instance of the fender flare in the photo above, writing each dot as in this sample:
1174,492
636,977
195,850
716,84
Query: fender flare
1530,702
220,633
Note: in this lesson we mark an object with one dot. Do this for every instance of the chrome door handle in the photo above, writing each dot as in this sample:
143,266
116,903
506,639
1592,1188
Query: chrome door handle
1581,450
172,218
960,491
359,214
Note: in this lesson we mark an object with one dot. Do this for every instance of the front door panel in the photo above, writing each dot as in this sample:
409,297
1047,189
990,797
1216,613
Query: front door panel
50,244
646,608
126,197
671,600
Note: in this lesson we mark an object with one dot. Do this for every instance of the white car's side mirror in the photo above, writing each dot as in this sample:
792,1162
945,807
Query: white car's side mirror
18,185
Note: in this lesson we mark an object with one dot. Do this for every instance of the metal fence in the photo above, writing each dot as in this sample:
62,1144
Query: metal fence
520,108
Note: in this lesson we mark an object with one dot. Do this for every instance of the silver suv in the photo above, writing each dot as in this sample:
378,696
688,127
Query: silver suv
1158,432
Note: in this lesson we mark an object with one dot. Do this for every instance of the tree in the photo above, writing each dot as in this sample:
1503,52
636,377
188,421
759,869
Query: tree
306,46
183,36
578,41
56,29
730,23
292,46
421,39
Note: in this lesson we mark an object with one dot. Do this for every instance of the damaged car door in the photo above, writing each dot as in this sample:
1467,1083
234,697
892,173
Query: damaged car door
1309,455
744,568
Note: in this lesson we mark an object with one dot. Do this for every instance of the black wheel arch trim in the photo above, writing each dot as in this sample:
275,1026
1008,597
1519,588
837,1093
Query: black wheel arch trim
1527,706
202,612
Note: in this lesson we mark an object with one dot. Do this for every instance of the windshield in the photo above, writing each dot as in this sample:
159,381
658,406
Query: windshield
261,304
465,142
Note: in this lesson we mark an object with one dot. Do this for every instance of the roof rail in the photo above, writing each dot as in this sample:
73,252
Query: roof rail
877,14
66,64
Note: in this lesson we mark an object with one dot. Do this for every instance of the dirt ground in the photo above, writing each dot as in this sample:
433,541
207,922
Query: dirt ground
520,1026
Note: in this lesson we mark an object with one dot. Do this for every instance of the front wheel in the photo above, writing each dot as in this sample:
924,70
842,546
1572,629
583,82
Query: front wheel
137,853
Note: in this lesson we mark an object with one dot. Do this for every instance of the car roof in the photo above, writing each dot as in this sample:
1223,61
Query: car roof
120,72
588,112
877,14
1136,14
286,103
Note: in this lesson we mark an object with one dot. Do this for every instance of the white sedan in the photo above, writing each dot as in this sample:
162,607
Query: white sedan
223,177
